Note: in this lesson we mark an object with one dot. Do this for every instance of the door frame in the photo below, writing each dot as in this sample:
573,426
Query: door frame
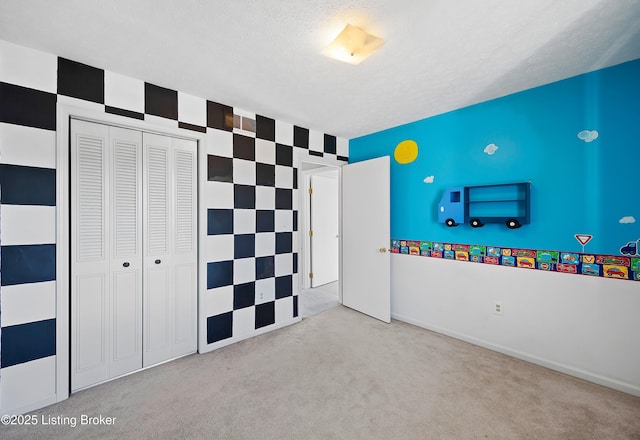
305,219
95,113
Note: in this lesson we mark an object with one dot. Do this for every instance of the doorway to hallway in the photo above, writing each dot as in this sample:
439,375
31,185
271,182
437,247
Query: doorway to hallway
318,299
320,226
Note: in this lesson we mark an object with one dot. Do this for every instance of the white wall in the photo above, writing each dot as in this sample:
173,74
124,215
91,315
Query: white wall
588,327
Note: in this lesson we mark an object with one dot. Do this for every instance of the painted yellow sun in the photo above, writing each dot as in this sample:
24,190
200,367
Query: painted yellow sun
406,152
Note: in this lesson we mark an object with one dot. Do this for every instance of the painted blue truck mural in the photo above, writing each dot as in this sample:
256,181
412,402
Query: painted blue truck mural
507,203
631,248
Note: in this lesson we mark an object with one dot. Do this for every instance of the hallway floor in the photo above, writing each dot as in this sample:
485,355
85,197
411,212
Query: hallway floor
318,299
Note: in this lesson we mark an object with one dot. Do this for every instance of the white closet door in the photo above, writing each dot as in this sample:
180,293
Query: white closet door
185,236
157,253
170,261
105,211
90,328
126,246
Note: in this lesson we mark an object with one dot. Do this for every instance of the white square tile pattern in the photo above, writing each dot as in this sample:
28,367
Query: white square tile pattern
220,143
244,321
316,141
265,290
31,302
244,172
218,300
192,110
284,177
265,151
27,224
219,248
244,270
21,145
284,133
283,220
123,92
219,195
265,197
284,309
244,221
265,244
284,264
28,67
342,147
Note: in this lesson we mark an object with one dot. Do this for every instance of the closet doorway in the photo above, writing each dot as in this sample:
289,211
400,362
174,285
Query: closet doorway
133,233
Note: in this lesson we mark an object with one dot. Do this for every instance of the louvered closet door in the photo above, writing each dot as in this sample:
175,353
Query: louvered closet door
106,253
184,338
126,247
170,248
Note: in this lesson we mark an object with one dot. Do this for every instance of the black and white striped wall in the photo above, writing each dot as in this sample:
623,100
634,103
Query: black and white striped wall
251,195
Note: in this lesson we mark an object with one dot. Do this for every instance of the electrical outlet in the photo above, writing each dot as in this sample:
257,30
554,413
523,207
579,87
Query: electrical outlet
497,308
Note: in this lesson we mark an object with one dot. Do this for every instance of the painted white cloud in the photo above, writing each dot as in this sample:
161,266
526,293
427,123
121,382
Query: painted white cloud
627,219
588,135
429,179
491,149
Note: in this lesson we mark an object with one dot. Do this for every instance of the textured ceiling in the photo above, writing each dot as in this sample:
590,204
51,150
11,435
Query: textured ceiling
264,55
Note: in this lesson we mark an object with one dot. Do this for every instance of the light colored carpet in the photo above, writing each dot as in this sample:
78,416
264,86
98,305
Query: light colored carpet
342,375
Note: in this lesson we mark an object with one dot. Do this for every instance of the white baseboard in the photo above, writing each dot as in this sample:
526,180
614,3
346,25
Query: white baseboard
30,407
566,369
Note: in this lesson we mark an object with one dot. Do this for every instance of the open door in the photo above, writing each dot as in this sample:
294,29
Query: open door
366,285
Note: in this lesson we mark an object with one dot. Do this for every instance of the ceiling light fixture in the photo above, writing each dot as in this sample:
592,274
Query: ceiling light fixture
353,45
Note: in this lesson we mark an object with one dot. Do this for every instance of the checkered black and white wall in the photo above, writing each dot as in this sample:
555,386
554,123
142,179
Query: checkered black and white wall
252,224
252,244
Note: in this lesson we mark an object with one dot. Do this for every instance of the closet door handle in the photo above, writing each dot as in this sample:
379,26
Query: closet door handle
158,261
125,264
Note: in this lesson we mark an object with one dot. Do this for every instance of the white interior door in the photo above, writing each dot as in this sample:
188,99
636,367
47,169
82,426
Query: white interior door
170,258
184,337
106,253
324,224
157,249
126,259
365,237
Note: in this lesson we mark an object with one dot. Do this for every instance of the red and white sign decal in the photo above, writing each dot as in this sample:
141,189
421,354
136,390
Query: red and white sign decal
583,238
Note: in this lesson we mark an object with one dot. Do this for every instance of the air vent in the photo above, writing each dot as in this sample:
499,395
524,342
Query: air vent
244,123
249,124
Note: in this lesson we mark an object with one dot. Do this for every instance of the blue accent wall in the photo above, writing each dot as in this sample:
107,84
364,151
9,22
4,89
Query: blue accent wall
23,264
578,187
27,342
22,185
